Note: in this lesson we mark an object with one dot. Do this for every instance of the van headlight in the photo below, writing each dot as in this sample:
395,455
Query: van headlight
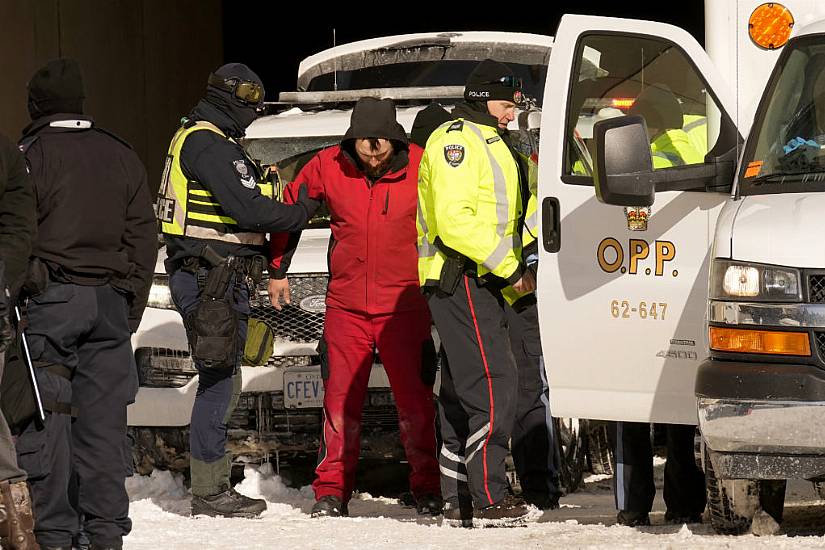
745,281
160,297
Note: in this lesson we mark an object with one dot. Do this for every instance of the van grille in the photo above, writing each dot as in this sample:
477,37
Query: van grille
816,288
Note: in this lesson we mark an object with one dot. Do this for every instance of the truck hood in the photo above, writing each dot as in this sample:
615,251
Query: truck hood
529,49
784,229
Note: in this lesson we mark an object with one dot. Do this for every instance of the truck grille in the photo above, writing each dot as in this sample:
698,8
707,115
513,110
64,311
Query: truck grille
820,345
293,323
169,368
816,288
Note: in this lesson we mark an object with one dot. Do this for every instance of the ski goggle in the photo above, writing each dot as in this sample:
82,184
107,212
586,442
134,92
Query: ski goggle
509,81
246,91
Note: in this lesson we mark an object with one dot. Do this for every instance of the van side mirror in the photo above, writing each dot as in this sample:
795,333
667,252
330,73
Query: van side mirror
623,170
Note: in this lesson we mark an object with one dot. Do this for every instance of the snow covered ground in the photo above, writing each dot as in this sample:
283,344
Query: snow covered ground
160,512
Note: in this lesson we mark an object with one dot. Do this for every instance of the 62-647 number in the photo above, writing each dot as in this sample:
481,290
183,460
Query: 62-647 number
622,309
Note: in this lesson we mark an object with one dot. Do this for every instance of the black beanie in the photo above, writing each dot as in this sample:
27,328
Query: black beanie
57,87
484,83
375,118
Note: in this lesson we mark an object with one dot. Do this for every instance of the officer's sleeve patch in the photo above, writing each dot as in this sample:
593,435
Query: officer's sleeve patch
246,178
454,154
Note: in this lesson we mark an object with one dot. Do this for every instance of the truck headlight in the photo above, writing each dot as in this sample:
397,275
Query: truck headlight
160,297
732,280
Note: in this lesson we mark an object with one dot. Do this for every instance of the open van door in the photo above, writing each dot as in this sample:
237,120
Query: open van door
623,290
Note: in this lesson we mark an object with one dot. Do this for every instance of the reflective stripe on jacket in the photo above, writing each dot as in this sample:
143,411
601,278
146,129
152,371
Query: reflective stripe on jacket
187,208
469,198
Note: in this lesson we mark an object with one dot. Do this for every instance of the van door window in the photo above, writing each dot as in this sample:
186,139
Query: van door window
619,75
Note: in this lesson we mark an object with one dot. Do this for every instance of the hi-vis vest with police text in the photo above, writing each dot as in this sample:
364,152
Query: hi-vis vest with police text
468,198
187,208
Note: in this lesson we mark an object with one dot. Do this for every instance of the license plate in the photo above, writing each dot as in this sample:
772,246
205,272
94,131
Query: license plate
303,389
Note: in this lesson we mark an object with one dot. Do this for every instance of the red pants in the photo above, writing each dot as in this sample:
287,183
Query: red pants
350,339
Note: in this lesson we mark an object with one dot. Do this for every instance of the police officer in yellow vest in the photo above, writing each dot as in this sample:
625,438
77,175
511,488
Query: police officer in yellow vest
684,483
215,209
470,267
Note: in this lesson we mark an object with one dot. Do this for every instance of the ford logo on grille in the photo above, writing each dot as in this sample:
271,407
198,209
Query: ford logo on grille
314,304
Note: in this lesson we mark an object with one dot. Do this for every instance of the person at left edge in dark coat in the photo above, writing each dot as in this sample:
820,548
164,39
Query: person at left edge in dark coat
89,277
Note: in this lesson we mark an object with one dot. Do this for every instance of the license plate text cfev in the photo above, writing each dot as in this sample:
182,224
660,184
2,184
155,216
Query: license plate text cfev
303,389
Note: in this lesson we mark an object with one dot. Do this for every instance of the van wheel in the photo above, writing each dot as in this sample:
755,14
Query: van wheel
571,451
733,503
600,450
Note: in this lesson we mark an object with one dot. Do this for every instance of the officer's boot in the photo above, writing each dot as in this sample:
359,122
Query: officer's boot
18,533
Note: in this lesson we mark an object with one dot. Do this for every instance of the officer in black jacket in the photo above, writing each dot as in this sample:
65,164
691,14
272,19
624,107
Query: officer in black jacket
17,227
215,209
89,279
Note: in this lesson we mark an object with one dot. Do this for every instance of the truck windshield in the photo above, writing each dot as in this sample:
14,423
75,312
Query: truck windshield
288,156
785,153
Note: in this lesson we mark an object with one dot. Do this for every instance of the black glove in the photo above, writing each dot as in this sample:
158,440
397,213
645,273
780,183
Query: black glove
309,205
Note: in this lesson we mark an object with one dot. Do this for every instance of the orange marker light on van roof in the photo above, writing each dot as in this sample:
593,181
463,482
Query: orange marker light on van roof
770,26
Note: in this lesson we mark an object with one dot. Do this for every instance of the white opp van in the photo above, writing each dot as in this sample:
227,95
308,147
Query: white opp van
695,293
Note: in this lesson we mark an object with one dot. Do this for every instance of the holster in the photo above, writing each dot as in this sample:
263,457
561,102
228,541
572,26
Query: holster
453,269
214,324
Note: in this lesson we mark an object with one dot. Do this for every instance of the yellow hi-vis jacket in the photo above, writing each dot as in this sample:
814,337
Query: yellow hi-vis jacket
696,127
187,208
469,199
673,148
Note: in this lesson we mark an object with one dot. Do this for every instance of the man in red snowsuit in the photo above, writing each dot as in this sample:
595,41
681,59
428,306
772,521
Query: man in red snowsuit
369,185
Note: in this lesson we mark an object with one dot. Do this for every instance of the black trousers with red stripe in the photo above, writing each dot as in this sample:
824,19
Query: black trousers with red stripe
477,399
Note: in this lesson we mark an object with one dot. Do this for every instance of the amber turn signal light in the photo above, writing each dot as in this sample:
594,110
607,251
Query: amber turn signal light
759,341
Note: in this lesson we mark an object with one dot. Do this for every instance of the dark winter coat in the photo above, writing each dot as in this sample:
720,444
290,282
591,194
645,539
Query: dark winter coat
95,220
18,221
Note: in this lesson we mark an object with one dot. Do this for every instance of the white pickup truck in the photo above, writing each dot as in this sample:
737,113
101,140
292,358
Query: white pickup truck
279,413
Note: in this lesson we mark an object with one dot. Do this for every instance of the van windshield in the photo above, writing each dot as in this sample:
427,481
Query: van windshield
785,153
288,156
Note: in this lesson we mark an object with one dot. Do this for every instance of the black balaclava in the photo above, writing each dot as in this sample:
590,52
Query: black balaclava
57,87
243,114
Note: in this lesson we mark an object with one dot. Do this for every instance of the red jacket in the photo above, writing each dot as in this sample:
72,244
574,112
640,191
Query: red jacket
372,258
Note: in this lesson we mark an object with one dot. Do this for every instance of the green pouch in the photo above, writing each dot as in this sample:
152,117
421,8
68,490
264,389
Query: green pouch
260,339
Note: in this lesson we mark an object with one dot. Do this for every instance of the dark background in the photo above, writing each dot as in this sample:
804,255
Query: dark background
145,62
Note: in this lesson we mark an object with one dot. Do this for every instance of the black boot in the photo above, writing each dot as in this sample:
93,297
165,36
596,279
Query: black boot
429,505
229,504
457,515
329,507
508,511
632,519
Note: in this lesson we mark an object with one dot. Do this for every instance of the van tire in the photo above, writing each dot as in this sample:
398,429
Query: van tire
733,503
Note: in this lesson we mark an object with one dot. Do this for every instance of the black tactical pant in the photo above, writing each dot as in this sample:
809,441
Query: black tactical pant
477,398
533,441
9,470
218,389
84,329
634,489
